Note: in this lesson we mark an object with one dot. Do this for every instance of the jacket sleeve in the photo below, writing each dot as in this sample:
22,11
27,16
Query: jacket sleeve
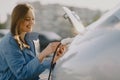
20,69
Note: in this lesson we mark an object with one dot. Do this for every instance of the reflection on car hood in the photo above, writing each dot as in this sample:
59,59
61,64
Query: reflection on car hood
94,56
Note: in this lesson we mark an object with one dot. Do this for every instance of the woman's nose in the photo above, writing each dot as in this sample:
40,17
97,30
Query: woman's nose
32,21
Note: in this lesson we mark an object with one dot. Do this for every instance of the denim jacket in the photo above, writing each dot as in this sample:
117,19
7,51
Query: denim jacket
17,64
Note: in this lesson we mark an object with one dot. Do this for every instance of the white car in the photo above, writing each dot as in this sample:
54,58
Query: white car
94,55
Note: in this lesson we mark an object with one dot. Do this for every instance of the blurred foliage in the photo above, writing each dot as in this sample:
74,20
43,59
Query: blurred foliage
95,18
2,25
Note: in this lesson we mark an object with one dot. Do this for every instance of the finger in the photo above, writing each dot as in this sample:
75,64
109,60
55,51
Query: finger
60,53
56,43
62,49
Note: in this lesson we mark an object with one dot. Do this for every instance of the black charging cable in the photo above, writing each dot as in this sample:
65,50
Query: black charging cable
52,65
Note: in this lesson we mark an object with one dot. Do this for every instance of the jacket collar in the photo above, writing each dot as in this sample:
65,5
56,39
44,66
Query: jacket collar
29,37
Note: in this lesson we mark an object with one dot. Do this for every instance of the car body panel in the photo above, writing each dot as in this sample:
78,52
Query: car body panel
93,55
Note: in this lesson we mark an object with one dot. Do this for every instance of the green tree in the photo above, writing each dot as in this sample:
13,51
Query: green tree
2,25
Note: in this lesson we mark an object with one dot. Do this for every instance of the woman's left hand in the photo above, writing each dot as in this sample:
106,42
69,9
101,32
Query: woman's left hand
60,52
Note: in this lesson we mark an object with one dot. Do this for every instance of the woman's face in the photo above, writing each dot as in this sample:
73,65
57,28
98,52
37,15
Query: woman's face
28,22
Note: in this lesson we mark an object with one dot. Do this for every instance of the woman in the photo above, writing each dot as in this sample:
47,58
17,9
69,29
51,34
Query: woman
18,60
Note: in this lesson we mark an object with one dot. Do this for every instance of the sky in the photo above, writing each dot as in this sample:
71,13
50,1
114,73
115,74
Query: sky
6,6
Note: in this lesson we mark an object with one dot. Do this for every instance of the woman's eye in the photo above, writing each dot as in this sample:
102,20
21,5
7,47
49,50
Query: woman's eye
27,19
33,19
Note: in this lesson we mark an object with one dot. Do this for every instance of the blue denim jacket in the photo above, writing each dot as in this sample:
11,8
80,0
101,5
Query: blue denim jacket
17,64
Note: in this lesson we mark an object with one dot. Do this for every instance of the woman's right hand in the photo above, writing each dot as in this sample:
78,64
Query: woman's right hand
51,47
48,50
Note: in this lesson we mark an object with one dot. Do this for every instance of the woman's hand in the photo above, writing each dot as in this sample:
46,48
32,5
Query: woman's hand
52,47
48,50
60,52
